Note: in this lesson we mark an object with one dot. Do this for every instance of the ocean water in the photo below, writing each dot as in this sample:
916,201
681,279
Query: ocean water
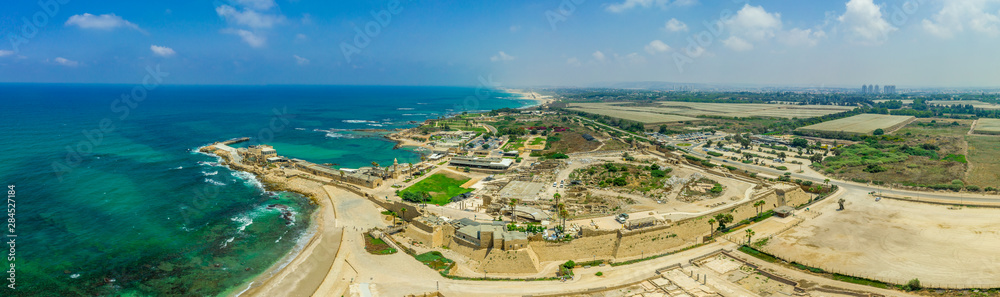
113,200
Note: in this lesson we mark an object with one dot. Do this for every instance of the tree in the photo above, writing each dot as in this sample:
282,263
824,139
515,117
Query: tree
759,206
402,214
486,146
878,132
711,223
723,219
782,156
563,214
826,181
800,142
750,235
817,158
912,285
718,144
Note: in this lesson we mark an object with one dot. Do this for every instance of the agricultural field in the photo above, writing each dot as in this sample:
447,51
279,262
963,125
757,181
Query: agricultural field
861,124
988,126
437,189
974,103
751,110
649,116
926,152
935,127
984,166
672,111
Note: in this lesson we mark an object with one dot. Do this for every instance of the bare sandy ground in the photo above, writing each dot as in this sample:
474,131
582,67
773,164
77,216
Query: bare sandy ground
896,241
304,274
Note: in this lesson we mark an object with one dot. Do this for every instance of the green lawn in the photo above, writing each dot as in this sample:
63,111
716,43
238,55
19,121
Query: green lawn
435,260
441,187
537,141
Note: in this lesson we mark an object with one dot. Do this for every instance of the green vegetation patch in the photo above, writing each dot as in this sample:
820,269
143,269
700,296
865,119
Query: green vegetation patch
377,246
436,189
955,158
435,260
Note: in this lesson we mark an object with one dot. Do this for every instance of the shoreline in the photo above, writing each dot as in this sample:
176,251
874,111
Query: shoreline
297,255
296,259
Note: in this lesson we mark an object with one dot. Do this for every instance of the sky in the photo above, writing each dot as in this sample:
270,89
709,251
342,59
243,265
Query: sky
909,43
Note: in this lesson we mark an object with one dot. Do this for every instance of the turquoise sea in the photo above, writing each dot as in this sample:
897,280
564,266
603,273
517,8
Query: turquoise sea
113,200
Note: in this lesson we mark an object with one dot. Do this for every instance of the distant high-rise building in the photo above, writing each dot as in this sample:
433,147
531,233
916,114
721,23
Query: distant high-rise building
864,89
876,90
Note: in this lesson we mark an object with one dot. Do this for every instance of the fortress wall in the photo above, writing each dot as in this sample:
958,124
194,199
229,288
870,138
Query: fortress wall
519,261
662,239
796,197
581,249
417,234
465,248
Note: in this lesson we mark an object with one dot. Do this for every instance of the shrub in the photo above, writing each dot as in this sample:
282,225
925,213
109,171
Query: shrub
599,273
912,285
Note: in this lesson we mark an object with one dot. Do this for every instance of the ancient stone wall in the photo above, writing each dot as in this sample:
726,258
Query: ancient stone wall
519,261
662,239
586,248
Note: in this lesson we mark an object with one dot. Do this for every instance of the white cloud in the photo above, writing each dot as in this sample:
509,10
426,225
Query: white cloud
247,17
573,61
162,51
673,25
66,62
599,56
300,60
250,38
802,37
257,4
864,22
630,4
515,28
4,53
754,23
656,46
955,16
102,22
301,37
737,44
502,56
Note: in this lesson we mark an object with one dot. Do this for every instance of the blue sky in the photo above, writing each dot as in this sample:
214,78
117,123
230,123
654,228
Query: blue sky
516,43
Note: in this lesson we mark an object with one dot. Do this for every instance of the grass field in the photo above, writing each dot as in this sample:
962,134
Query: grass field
984,166
935,127
748,110
974,103
672,111
646,117
862,123
441,187
988,126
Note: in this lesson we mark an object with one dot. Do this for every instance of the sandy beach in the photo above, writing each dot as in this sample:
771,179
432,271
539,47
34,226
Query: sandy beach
530,95
304,273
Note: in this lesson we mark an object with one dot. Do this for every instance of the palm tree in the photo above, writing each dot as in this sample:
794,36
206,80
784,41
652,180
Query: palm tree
827,181
375,164
750,235
563,214
759,206
402,214
513,206
711,223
